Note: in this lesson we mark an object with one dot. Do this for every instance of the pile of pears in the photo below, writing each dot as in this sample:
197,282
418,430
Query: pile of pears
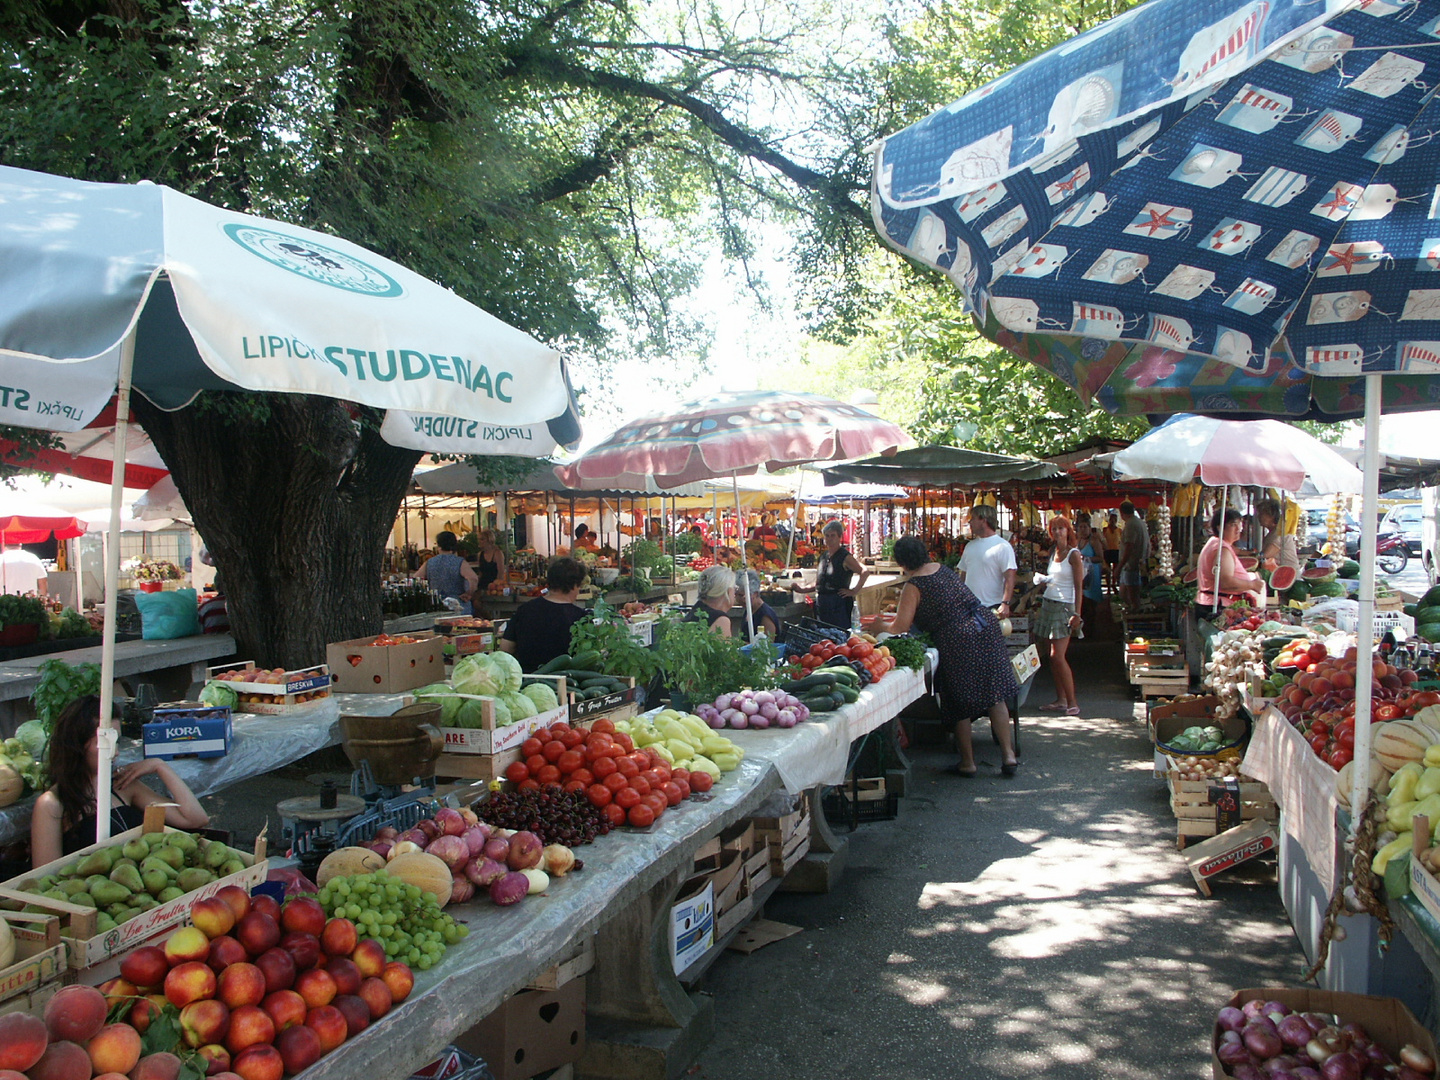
122,880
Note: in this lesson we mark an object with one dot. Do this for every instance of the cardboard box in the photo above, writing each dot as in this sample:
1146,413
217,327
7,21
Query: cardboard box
492,739
610,704
757,870
40,964
1026,663
1228,850
534,1031
468,644
739,837
692,923
186,729
728,882
360,666
1384,1019
577,960
787,838
300,688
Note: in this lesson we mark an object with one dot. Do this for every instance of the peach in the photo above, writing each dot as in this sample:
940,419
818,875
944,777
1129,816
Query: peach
356,1013
161,1066
346,975
286,1008
258,932
147,967
216,1058
117,990
237,899
75,1014
212,916
23,1039
339,938
303,948
11,1074
316,987
227,1075
377,995
144,1011
400,979
369,957
250,1025
189,982
259,1062
266,905
240,984
279,968
329,1024
62,1060
224,951
115,1048
204,1021
303,915
111,1076
187,944
299,1048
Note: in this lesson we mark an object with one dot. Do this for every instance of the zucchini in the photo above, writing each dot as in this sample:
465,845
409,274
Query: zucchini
813,681
849,693
608,685
818,703
590,660
552,667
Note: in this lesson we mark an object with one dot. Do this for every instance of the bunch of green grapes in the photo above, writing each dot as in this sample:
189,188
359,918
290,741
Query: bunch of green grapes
407,922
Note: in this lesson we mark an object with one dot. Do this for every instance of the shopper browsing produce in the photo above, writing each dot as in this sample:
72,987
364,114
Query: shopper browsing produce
1134,554
1278,547
64,817
540,630
1092,551
834,595
1111,533
1059,618
490,562
717,597
765,618
448,573
987,565
1235,581
975,677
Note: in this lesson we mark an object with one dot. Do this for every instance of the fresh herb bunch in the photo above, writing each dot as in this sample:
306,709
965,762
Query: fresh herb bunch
608,634
60,684
646,555
908,650
16,610
687,543
702,664
70,624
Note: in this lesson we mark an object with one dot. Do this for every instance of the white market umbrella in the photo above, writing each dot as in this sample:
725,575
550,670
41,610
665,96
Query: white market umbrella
114,287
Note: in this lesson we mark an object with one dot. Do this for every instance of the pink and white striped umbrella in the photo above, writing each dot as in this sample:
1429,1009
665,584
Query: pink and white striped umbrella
733,434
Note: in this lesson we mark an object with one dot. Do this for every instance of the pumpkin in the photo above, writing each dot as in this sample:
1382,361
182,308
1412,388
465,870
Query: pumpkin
425,871
12,785
7,944
1345,783
1401,741
348,861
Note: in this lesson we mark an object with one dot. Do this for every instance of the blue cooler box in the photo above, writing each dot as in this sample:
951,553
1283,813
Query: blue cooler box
188,729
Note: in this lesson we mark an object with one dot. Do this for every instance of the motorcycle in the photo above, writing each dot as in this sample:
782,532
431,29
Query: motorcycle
1392,552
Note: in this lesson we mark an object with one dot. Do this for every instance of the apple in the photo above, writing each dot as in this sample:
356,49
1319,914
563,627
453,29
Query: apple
303,915
266,905
186,944
355,1011
316,986
339,938
329,1024
115,1048
204,1021
258,932
189,982
216,1058
225,951
259,1062
240,984
286,1008
212,916
237,899
377,996
279,968
75,1014
303,948
118,990
250,1025
400,979
346,975
146,967
369,957
299,1048
159,1066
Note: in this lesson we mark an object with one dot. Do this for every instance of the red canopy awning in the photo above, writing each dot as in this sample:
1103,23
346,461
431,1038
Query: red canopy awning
86,468
20,529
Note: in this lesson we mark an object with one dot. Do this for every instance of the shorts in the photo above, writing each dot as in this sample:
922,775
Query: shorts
1053,622
1113,557
1131,578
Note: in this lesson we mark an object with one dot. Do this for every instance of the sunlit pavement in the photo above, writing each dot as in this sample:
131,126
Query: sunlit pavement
1044,925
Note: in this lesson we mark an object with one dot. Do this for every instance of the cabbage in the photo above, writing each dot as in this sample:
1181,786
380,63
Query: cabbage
33,738
504,663
543,697
217,694
472,713
477,674
520,706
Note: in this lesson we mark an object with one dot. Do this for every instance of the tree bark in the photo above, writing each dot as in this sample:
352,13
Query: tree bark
295,501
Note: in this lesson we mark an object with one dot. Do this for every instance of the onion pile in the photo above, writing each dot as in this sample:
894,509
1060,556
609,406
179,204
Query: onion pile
1191,767
1264,1040
754,709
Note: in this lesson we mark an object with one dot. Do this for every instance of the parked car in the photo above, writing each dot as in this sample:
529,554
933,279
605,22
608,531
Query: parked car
1406,520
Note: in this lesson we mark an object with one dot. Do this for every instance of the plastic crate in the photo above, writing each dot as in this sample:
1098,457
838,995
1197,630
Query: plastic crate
858,801
1385,622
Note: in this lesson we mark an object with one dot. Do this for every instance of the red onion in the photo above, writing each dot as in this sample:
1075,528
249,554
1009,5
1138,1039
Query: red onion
1376,1053
1247,1071
1407,1073
1358,1038
1374,1071
415,836
386,832
1274,1008
475,837
1341,1066
1306,1072
1318,1021
429,828
1230,1036
380,847
1412,1057
1294,1031
461,890
525,849
471,818
1232,1053
449,821
510,889
1282,1062
1252,1009
484,872
1263,1044
497,848
450,850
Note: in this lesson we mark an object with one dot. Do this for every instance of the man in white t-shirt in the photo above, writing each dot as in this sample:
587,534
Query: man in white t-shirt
21,571
988,565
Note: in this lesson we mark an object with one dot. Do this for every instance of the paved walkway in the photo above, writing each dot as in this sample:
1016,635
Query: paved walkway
1043,926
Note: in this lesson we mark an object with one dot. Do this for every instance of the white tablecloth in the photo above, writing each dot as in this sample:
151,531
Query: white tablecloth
1303,787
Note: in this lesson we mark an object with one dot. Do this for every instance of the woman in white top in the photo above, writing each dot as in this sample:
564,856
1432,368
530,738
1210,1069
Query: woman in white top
1059,618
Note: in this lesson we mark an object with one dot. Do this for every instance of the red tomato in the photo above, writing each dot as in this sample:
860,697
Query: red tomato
701,782
599,795
552,750
603,767
684,786
641,758
530,747
1339,758
570,761
627,767
656,801
603,726
572,739
528,785
616,782
584,775
624,742
843,650
657,776
558,729
517,772
640,784
1345,740
627,797
641,817
818,649
672,793
536,762
614,814
548,775
680,773
1388,712
574,785
862,650
599,742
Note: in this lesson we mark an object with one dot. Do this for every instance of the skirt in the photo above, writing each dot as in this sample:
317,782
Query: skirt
1054,621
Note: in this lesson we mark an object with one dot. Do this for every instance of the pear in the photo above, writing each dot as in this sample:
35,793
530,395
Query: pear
185,841
154,863
83,899
109,892
170,892
97,862
104,923
135,849
129,877
144,901
231,866
122,912
94,880
66,871
72,887
56,894
31,885
49,881
217,855
172,856
154,880
193,878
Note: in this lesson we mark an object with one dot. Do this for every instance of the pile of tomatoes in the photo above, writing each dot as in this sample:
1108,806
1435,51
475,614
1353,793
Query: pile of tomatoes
630,786
874,659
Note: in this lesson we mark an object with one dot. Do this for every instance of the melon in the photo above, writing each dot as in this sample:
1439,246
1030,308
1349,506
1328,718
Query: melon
429,873
1429,631
1249,562
1315,573
1345,783
1283,578
347,862
12,785
1192,576
1401,741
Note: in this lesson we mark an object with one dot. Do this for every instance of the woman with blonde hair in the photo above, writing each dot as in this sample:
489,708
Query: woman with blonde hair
1059,618
717,597
490,564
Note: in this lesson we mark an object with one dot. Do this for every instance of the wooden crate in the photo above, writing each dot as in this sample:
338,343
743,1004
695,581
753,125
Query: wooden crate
1162,683
577,960
40,966
1229,849
1200,811
786,838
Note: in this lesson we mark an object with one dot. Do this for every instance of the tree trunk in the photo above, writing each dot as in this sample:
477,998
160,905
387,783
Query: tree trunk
294,499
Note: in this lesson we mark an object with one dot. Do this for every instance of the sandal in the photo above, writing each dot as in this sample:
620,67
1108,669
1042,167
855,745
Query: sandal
1054,706
1008,768
958,771
1073,710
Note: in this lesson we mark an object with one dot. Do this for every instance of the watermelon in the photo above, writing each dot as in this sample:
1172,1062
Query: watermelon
1191,576
1283,578
1431,598
1429,631
1300,591
1410,609
1249,562
1326,588
1424,613
1349,569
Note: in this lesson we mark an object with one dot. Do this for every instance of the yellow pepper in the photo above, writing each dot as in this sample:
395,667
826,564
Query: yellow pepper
1399,815
1398,846
1429,783
1429,807
1403,783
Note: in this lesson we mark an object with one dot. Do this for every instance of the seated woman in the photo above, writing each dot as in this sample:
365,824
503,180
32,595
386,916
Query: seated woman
717,597
64,817
764,617
540,630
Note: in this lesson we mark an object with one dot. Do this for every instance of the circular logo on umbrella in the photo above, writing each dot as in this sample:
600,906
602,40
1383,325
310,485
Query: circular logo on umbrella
314,261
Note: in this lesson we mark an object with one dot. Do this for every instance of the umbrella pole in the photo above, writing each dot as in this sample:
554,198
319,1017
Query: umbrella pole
795,520
106,737
749,614
1365,632
1219,556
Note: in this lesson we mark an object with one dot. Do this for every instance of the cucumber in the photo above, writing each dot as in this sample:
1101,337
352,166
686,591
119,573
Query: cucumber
552,667
818,703
849,693
813,681
608,685
590,660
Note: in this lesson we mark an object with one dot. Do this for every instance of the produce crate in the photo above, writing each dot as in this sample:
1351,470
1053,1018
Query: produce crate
532,1032
40,966
757,869
1208,807
1161,682
360,666
490,738
621,705
84,946
859,801
300,687
1227,850
787,838
475,765
1385,621
188,729
577,960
